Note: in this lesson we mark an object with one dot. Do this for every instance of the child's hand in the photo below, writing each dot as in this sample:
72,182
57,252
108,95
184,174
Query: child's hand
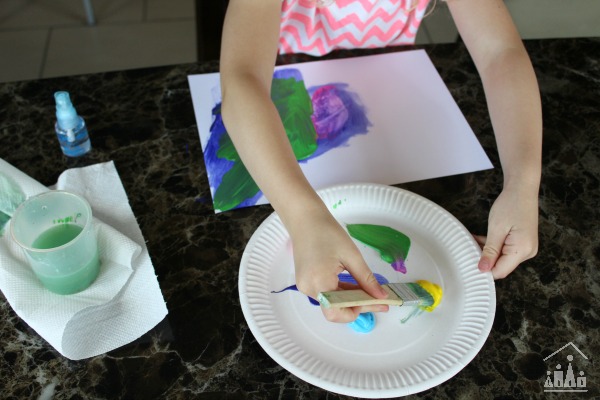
322,250
512,232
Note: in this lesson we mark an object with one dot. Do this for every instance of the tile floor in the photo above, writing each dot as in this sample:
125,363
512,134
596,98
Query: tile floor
50,38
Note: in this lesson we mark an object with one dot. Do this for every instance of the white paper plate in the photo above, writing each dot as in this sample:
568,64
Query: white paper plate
394,359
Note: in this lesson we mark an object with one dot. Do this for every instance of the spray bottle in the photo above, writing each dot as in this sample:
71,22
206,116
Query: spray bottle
70,127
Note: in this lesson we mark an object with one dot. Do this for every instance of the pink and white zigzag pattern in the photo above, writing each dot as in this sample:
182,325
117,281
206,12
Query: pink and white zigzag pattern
348,24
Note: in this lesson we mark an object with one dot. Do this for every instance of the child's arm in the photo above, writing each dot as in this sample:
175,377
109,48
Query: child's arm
322,248
514,105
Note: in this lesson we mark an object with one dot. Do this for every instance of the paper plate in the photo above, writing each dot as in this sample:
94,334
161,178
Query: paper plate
395,359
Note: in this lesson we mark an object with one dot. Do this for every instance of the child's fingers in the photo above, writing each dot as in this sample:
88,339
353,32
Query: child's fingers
505,265
480,239
366,280
349,314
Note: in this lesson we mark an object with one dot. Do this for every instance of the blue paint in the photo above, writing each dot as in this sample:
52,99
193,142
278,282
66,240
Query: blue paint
364,323
288,73
295,288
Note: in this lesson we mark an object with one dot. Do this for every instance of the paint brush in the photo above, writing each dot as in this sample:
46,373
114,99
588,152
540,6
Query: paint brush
399,294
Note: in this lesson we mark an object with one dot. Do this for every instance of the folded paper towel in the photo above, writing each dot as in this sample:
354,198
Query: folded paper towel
122,304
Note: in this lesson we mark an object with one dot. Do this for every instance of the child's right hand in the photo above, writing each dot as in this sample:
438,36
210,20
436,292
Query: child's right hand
322,250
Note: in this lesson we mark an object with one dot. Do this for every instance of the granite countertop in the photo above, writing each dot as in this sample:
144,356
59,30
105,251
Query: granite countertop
143,120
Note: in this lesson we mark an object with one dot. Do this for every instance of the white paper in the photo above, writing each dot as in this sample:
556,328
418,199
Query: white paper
122,304
418,132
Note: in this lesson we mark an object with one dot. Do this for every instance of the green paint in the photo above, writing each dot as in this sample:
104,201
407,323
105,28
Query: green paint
79,279
57,236
391,244
339,203
236,186
295,108
227,149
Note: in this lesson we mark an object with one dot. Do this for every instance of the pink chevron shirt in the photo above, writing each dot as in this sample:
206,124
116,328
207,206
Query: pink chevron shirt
348,24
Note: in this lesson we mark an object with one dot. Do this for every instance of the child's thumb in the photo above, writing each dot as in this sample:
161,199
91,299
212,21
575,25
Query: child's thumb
491,252
367,281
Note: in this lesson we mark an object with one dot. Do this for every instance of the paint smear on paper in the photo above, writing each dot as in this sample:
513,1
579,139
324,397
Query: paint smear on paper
347,278
392,245
316,120
295,108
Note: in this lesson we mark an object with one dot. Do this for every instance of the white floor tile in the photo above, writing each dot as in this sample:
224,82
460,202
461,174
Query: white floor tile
83,50
158,10
21,54
46,13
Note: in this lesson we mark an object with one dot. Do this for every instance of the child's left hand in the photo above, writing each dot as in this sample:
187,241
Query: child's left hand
512,232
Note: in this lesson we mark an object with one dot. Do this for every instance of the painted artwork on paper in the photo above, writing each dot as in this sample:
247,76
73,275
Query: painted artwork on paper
386,119
316,120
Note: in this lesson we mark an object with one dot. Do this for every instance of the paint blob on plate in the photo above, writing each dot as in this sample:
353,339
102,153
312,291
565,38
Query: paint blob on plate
393,247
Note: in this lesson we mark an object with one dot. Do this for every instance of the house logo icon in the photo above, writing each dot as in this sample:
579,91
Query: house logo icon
563,378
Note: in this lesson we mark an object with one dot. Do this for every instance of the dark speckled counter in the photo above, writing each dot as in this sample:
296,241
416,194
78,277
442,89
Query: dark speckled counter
143,120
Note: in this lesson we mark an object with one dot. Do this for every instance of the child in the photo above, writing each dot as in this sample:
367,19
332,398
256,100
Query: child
255,30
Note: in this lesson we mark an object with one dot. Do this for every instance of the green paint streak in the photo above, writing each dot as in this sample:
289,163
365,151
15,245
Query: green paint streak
391,244
339,203
227,149
295,108
236,186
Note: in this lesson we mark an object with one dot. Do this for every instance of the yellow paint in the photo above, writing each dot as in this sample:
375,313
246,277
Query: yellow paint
435,291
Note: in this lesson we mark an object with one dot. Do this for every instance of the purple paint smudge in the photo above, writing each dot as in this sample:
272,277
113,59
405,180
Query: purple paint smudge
330,113
399,266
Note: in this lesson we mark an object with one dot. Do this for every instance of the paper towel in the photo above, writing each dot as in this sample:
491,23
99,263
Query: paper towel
122,304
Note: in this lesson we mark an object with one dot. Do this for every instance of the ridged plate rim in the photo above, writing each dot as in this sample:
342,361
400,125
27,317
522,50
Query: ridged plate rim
461,346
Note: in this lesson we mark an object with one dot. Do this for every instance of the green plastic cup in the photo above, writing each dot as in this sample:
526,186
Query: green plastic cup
55,230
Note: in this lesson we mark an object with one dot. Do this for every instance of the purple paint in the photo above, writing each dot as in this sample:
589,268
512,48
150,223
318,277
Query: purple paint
399,266
338,115
330,113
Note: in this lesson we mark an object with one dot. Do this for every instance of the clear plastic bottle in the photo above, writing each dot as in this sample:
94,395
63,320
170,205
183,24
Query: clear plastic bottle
70,128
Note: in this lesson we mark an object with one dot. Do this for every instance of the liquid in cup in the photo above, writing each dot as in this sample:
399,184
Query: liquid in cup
56,231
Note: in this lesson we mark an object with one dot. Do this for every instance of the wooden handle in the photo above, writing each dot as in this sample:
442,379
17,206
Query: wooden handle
356,297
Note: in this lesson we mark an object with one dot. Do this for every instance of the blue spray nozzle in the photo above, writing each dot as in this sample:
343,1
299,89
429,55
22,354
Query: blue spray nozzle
66,115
